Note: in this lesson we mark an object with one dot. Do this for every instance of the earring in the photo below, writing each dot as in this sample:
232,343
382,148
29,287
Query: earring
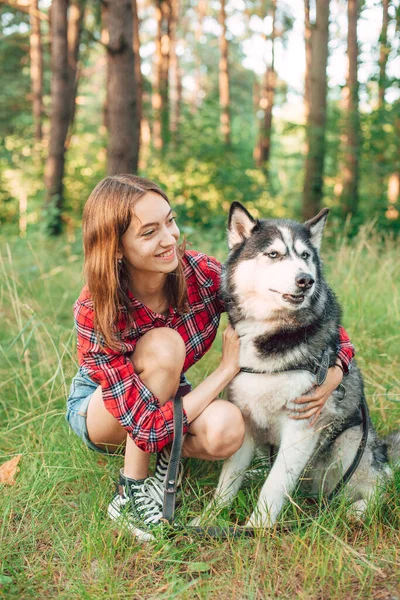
119,261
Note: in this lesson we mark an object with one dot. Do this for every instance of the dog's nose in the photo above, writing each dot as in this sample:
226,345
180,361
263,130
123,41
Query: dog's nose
304,281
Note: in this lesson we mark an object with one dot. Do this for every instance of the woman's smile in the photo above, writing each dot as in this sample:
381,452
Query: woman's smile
167,254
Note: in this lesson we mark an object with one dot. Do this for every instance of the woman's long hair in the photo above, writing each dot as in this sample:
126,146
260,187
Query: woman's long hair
106,217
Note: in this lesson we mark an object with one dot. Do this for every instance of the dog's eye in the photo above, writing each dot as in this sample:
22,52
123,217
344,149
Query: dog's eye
272,254
305,255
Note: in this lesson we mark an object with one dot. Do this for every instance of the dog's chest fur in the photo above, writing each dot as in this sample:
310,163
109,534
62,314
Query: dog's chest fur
264,398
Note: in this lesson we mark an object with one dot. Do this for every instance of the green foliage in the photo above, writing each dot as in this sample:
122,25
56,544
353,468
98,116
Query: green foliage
201,176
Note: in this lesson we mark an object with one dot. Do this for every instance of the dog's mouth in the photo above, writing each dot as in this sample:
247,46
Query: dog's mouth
294,298
291,298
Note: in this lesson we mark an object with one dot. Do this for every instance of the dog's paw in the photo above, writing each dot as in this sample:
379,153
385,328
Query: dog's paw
197,521
258,521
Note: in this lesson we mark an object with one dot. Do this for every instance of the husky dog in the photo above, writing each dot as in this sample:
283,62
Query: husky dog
287,318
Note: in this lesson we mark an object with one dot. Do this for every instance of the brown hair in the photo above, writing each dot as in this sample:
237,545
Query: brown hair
106,217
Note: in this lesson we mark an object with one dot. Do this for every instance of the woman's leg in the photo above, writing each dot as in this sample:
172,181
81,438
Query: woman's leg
158,360
216,434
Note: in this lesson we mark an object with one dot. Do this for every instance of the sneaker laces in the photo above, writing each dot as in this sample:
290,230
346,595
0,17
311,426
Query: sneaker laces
148,499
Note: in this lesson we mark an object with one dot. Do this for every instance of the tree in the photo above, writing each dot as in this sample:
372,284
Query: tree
224,98
123,143
349,197
75,22
60,111
263,147
161,74
174,74
201,10
36,67
138,72
384,53
316,38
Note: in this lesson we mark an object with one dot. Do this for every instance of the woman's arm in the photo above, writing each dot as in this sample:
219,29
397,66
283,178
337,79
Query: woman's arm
320,394
196,401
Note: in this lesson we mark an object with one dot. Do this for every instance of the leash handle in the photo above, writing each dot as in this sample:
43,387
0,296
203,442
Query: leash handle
170,485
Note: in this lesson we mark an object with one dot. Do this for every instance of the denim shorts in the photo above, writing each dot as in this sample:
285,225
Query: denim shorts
80,394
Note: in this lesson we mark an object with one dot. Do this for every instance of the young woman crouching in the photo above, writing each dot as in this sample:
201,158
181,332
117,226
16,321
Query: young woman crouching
149,310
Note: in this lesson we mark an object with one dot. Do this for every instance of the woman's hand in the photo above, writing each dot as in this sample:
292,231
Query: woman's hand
318,396
230,351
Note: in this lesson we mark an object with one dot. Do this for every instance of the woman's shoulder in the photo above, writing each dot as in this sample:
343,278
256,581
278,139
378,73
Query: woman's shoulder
196,261
84,299
205,269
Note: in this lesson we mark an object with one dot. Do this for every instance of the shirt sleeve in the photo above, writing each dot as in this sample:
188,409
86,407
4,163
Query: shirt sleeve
125,396
345,350
215,268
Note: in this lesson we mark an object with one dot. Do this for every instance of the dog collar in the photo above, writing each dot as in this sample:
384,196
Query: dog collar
321,368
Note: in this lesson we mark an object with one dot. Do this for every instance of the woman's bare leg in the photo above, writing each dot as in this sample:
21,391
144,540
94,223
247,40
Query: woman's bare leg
158,360
217,433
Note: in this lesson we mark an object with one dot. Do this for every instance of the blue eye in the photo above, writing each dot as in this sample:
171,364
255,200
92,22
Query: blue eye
272,254
305,255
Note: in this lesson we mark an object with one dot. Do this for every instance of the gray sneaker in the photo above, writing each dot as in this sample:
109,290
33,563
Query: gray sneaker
137,505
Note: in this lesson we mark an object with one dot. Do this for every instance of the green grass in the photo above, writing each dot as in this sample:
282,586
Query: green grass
55,538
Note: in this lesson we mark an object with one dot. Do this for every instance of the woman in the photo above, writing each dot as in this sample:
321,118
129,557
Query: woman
149,311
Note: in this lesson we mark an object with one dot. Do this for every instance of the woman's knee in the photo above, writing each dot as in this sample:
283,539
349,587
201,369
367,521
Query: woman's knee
225,429
160,348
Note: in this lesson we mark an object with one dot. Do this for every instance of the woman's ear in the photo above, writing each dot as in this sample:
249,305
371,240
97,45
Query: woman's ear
240,224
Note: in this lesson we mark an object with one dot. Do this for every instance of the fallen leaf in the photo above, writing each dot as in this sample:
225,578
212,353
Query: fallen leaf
8,470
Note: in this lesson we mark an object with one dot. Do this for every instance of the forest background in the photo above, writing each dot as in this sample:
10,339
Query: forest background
286,106
282,106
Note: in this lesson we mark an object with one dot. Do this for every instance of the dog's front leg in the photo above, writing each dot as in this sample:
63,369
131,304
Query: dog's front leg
298,442
230,480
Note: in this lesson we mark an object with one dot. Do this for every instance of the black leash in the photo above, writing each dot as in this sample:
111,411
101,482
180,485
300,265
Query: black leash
170,487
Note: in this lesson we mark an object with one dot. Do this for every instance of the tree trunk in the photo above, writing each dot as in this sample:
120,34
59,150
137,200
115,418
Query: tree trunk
164,73
161,75
54,170
174,74
263,148
201,9
224,99
75,21
156,91
349,197
36,57
137,69
317,37
384,52
123,145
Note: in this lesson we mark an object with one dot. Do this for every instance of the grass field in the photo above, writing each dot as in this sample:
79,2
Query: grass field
55,538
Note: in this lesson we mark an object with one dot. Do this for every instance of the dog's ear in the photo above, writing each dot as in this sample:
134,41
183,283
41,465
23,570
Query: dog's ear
316,227
240,224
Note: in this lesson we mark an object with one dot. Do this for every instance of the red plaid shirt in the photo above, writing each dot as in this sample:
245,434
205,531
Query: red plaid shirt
125,396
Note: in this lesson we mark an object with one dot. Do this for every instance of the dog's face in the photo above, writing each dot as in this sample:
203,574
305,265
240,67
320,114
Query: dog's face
273,264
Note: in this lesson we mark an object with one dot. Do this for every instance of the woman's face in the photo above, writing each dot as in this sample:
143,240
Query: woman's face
150,242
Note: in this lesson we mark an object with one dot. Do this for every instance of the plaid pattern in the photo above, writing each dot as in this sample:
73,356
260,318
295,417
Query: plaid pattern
125,396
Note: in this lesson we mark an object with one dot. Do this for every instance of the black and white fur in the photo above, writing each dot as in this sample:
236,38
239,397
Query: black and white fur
286,316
